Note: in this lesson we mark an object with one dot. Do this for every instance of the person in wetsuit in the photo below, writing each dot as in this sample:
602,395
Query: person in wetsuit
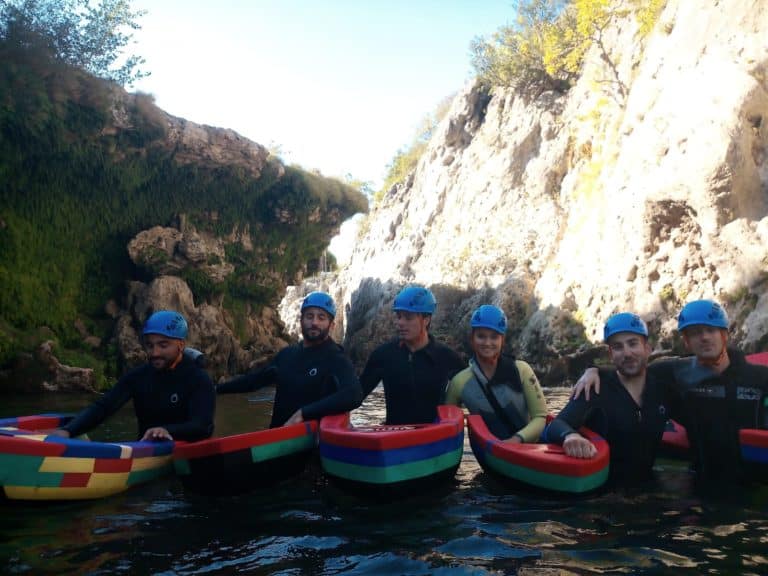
414,368
714,393
313,378
630,414
173,397
504,391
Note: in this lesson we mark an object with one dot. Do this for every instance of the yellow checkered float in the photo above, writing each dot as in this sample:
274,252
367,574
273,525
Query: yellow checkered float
36,466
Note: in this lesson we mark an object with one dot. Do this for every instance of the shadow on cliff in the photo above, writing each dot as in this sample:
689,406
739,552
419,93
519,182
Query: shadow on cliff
551,339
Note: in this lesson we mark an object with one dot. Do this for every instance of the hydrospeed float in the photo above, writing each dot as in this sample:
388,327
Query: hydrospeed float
541,466
36,466
674,440
236,464
396,459
754,442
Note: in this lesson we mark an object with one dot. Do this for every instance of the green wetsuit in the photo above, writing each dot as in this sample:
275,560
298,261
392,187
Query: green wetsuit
519,395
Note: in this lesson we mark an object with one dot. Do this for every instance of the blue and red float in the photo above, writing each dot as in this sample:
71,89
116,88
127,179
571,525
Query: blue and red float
397,459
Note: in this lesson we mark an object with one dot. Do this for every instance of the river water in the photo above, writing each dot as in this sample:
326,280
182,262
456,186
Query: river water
308,527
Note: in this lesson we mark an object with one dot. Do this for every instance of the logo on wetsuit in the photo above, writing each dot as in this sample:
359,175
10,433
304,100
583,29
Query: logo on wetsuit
748,393
174,398
312,372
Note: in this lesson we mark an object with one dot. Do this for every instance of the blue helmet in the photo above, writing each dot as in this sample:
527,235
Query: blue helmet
624,322
706,312
167,323
320,300
491,317
415,299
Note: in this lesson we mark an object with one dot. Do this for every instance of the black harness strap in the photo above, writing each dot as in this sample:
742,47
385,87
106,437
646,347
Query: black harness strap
494,402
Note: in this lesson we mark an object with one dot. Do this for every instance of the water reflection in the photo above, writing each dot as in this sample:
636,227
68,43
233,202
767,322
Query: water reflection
476,526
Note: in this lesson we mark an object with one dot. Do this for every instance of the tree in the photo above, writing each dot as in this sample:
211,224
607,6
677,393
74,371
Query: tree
87,34
521,54
546,46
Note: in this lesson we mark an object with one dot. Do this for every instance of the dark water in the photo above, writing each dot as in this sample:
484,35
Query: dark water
307,527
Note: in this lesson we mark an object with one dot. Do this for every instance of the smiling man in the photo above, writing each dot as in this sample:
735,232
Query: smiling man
172,396
630,413
414,368
313,378
714,393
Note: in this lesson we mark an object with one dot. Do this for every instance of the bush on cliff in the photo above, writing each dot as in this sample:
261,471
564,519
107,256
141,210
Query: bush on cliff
545,47
74,190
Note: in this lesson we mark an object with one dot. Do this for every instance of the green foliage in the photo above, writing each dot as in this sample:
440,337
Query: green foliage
83,33
545,47
647,13
9,345
536,51
403,163
74,191
82,359
407,158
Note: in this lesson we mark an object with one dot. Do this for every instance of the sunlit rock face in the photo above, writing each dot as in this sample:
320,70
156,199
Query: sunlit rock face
642,187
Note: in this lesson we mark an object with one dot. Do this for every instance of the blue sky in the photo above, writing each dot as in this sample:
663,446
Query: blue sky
339,85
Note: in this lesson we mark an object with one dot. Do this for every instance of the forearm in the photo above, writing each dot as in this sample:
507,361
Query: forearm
86,420
536,403
248,382
557,430
573,416
101,409
369,379
533,430
348,397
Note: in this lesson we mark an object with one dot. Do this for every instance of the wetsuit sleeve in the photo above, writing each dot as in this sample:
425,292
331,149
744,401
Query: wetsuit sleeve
537,405
455,387
372,373
202,405
249,382
102,408
572,417
348,394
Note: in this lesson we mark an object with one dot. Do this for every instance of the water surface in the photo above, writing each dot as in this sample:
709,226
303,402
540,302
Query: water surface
474,526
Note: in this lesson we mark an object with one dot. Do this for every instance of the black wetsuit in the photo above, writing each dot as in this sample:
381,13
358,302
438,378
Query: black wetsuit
319,380
414,382
181,400
633,432
714,407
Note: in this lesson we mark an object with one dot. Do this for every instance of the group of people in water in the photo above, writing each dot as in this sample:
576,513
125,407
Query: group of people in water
714,392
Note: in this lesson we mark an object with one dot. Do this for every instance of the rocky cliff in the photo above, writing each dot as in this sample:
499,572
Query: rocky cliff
644,185
107,198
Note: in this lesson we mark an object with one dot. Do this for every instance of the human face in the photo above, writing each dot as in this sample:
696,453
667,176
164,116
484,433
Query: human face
706,342
411,326
486,344
315,325
163,352
629,352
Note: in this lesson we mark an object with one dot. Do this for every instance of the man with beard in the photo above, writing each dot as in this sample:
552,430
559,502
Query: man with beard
630,413
173,397
312,378
414,368
714,393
